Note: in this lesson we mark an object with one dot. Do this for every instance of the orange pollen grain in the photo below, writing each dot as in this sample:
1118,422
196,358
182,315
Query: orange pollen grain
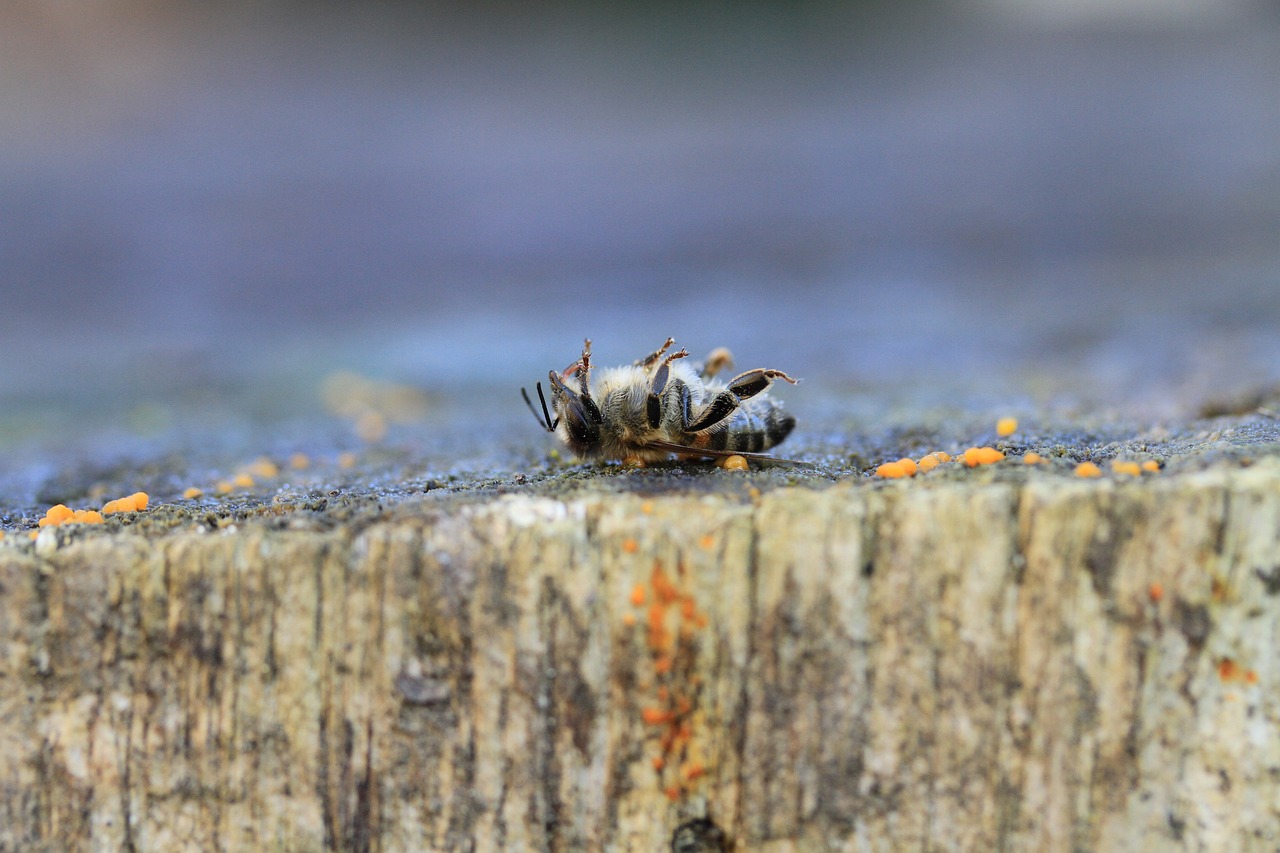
638,594
941,455
1156,591
735,463
1228,670
1088,469
630,545
1251,677
1151,466
659,762
1125,467
908,465
191,493
928,463
1006,427
707,542
1032,458
662,665
629,619
693,770
673,793
647,507
58,513
975,456
891,470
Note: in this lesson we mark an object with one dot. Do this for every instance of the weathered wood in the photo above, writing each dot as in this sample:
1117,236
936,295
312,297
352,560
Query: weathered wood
1053,665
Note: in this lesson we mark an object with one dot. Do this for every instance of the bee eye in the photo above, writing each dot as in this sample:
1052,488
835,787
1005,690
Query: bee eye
582,429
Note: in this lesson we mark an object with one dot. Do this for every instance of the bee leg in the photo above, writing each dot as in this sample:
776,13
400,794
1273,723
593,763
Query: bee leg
747,385
658,383
652,357
584,371
744,386
717,360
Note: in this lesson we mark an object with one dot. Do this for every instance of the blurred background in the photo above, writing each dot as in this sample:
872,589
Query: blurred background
219,205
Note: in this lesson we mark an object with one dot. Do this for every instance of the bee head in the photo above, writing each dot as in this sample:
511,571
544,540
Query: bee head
577,418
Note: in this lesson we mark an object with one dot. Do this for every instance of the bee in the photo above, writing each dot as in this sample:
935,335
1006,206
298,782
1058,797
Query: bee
661,404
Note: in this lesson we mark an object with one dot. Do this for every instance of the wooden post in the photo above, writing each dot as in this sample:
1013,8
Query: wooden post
1049,665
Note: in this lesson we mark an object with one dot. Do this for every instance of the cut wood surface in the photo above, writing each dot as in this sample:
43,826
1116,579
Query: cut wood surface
1044,664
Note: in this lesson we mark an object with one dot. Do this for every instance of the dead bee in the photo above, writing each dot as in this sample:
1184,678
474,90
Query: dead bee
661,405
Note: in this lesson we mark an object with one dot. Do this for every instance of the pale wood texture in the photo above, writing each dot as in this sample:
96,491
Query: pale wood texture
1050,665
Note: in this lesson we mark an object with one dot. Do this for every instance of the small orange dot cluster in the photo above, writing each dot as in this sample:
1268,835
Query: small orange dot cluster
1231,671
60,514
671,627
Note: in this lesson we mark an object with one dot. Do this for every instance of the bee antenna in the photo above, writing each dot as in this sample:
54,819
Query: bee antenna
544,420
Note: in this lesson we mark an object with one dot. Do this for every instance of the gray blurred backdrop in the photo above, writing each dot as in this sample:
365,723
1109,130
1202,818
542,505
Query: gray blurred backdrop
1076,197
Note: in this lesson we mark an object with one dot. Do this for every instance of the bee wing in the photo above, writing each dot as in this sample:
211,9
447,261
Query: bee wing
721,454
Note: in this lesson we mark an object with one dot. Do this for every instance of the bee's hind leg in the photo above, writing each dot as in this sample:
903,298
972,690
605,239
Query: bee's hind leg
744,386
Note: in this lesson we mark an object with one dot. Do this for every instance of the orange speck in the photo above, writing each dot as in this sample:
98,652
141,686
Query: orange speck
242,480
89,516
658,640
1032,458
1126,467
941,455
908,465
33,534
346,459
655,716
892,470
673,793
688,609
1155,591
633,462
140,500
58,513
928,463
264,468
707,541
1251,677
1,534
45,522
659,762
693,770
298,461
1228,670
647,507
701,620
663,587
628,619
222,487
975,456
683,705
191,493
735,463
753,492
1006,427
1151,466
662,665
637,594
1088,469
663,694
630,546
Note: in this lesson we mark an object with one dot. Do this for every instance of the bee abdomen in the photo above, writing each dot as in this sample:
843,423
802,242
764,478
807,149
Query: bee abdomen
756,432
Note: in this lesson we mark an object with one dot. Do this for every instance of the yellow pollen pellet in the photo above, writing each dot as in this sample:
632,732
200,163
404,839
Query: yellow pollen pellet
1006,427
908,465
298,461
941,455
892,470
1130,468
928,463
1032,458
1151,466
735,463
191,493
1088,469
58,513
